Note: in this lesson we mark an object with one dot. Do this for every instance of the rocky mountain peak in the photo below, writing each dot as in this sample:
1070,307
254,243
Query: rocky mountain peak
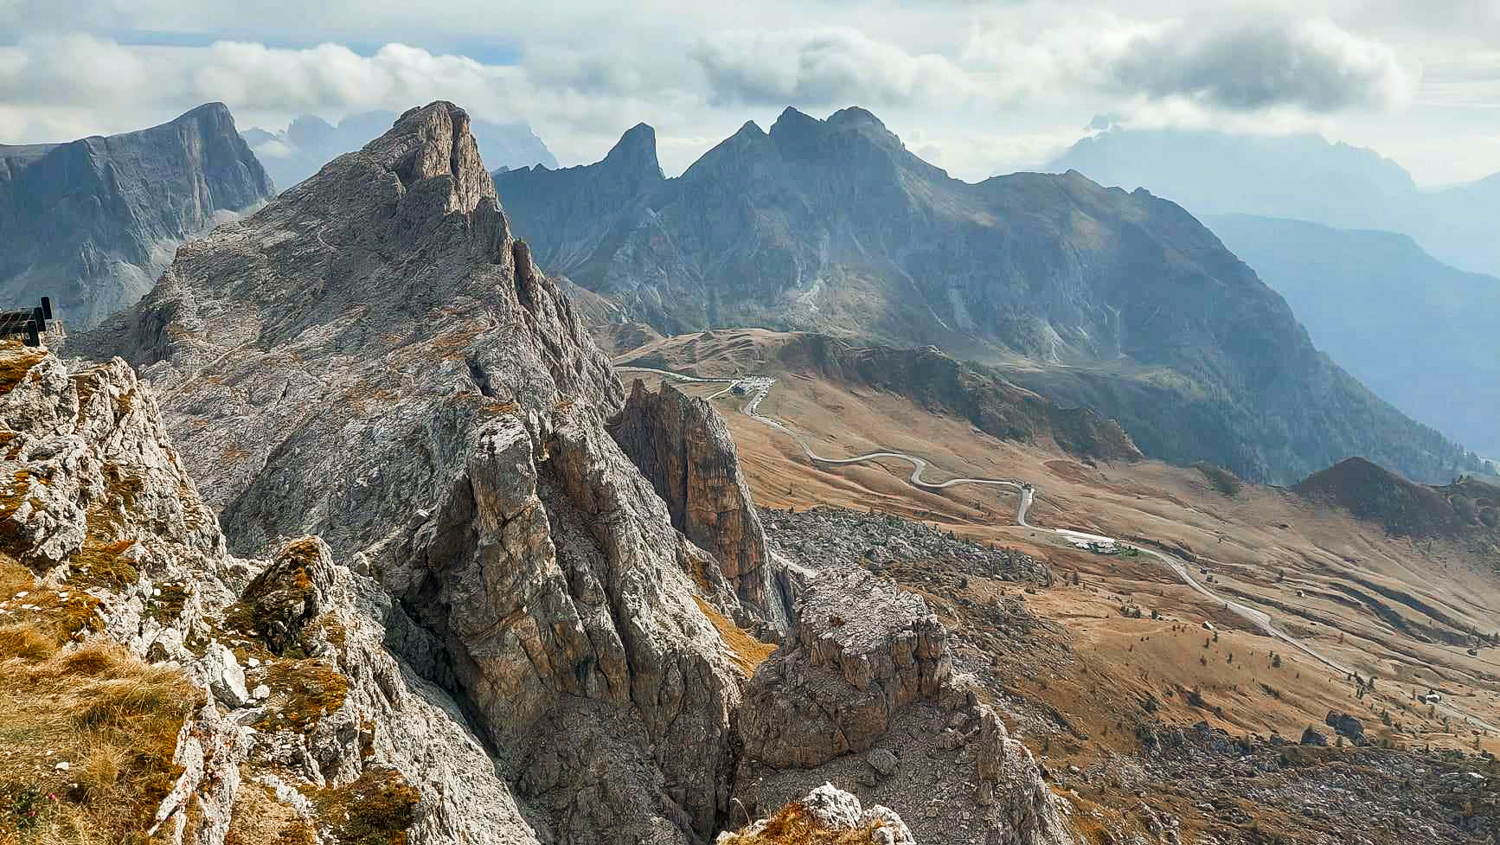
636,151
796,130
434,142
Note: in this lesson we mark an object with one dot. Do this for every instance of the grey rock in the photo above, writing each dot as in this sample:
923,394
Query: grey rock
683,447
373,358
883,761
224,676
1346,725
112,477
1313,736
92,222
867,663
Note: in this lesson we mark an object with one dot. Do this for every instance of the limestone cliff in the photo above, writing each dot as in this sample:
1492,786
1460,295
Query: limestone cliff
92,222
251,699
683,447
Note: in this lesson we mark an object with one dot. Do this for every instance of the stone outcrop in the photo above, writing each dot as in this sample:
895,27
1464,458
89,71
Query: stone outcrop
681,444
96,502
374,359
860,650
867,668
826,814
92,223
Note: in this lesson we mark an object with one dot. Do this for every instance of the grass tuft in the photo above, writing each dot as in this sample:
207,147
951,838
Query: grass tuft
793,826
376,809
745,651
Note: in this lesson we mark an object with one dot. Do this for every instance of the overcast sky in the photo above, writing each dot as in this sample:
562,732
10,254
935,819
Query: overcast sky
977,88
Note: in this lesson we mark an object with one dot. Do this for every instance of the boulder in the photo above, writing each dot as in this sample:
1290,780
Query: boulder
1312,736
1346,726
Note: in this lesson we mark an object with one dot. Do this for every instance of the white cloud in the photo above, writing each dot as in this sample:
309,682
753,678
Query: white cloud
825,66
1313,65
988,86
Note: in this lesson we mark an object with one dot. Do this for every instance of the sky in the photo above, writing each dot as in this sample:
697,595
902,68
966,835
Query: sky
978,88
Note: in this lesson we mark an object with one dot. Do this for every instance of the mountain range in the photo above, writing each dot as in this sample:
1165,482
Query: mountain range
309,142
374,358
93,222
1121,302
1417,331
1301,177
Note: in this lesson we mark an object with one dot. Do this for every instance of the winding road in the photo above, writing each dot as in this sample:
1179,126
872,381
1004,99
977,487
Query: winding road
758,387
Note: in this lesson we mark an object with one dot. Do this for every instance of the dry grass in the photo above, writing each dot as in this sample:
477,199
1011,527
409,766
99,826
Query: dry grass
259,819
16,364
376,809
111,718
793,826
745,651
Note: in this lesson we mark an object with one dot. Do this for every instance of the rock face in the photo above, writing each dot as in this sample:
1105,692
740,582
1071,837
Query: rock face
834,226
373,358
92,223
826,814
861,649
98,505
868,667
683,447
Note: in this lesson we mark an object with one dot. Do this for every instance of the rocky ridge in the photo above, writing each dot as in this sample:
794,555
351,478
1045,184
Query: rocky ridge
91,223
300,707
1117,302
683,447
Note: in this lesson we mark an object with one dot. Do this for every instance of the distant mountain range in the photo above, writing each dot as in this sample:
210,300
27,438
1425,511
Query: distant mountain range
1302,177
92,223
1118,301
310,142
1419,332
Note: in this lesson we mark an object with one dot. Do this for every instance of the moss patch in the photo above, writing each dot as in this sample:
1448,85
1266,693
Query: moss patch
376,809
793,826
302,692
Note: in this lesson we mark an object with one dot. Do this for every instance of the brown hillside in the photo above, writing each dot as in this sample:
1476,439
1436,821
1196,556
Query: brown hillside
1371,492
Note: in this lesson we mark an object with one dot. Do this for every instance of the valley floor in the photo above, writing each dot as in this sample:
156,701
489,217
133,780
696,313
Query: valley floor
1126,642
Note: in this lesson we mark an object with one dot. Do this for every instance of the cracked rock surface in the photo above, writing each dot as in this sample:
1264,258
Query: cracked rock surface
373,358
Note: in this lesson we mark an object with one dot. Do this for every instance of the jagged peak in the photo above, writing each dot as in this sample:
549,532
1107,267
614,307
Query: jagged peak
791,119
750,129
636,150
435,141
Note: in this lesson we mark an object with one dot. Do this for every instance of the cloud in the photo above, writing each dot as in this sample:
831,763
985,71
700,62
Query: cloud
1312,65
825,66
